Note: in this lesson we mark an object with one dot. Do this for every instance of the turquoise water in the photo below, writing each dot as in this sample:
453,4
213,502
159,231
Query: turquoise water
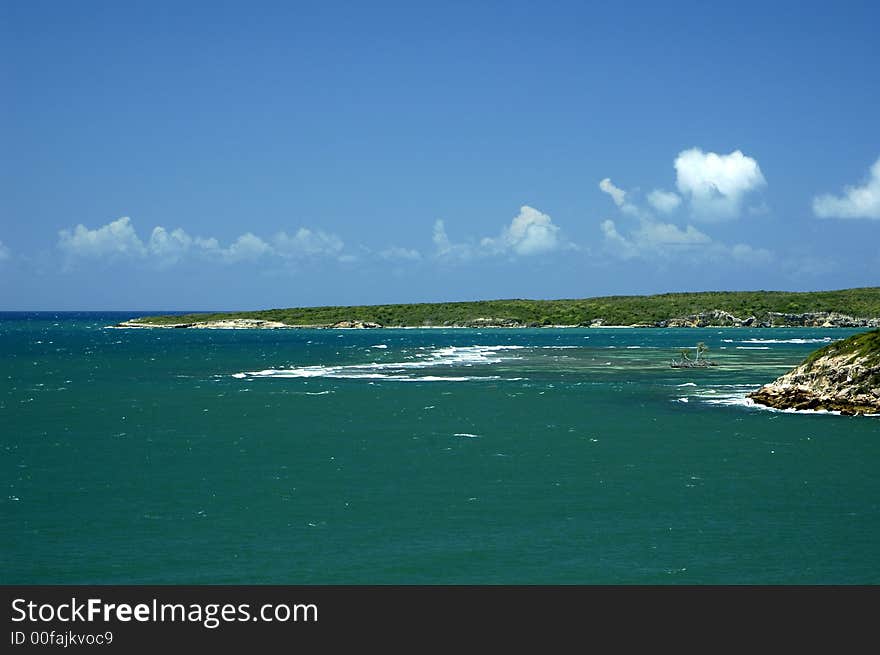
421,456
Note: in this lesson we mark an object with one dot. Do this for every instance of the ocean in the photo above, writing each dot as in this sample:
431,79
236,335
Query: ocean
421,456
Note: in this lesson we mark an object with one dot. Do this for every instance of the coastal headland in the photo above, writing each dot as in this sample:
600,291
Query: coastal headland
843,376
849,308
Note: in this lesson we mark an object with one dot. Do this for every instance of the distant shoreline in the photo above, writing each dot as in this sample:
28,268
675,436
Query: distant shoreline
133,325
848,308
225,325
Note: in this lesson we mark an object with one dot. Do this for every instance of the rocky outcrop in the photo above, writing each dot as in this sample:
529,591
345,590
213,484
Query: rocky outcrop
245,324
358,325
225,324
843,376
714,318
721,318
821,319
711,318
493,322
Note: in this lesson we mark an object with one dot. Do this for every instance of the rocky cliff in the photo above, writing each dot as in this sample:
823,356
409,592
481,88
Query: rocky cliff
223,324
721,318
712,318
843,376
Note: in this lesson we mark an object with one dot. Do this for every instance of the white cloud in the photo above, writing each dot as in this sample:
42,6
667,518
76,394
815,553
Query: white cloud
117,238
440,238
657,234
446,249
531,232
307,242
208,244
400,254
856,201
4,252
246,247
748,255
619,196
656,240
653,238
169,247
617,243
716,185
664,202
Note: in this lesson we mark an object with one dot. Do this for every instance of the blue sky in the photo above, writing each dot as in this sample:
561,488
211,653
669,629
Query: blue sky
247,155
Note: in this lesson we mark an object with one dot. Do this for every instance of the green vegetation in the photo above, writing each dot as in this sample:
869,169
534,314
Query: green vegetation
865,346
843,376
612,310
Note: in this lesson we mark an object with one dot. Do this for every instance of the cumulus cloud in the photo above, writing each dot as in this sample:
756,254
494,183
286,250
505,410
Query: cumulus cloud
664,202
716,185
117,238
306,242
652,238
619,196
169,247
667,234
616,242
856,202
401,254
746,254
4,252
531,232
657,240
246,247
440,238
448,250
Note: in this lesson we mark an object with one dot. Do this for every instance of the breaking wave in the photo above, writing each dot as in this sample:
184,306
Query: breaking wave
450,357
799,341
734,395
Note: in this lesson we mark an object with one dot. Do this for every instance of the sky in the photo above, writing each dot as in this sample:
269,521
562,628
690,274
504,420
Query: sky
245,155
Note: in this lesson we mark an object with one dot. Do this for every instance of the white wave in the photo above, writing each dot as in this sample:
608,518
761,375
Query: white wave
753,347
682,400
468,435
560,347
687,384
452,356
633,347
740,400
379,345
822,340
448,378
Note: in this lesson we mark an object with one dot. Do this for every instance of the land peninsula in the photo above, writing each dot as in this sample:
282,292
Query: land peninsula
842,308
843,376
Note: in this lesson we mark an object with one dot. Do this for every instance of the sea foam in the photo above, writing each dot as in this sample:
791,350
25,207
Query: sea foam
800,341
450,356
